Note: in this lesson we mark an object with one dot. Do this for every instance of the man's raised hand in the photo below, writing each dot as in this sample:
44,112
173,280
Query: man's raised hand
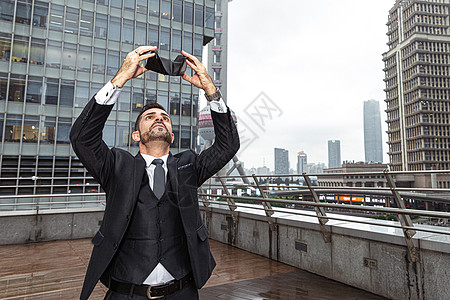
201,78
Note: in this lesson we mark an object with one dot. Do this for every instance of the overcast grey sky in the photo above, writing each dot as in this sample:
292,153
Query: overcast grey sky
318,61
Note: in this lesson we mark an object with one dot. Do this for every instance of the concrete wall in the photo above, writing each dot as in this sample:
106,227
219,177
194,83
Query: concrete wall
372,258
27,228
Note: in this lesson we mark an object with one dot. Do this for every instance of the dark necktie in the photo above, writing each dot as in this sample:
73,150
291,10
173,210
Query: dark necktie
159,178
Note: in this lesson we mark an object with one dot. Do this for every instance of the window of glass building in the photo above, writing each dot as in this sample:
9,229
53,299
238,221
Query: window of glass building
63,130
2,122
67,90
101,26
128,31
124,99
153,35
82,94
3,85
187,42
185,137
114,29
51,90
23,12
186,104
150,96
177,11
56,17
166,8
141,6
108,133
84,58
209,18
7,10
20,49
174,108
102,2
198,46
176,40
71,22
129,4
34,89
188,13
154,8
48,129
40,14
138,99
37,51
69,56
53,56
13,128
86,22
199,17
164,43
98,62
116,3
163,98
141,33
16,88
5,46
122,134
30,129
113,62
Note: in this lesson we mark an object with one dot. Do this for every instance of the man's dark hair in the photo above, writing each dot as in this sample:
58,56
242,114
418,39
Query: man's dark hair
144,109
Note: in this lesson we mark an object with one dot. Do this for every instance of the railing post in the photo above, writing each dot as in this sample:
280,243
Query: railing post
267,206
230,201
405,220
319,211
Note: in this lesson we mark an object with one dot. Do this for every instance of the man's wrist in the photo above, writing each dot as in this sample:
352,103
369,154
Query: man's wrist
209,90
118,82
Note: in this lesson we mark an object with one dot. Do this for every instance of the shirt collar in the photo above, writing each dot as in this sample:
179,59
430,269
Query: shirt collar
148,159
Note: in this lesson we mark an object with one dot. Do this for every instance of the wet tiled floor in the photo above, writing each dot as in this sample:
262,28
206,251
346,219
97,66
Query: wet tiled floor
55,270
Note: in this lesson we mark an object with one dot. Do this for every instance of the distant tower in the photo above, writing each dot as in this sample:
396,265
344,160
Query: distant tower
373,146
334,154
281,161
218,48
302,162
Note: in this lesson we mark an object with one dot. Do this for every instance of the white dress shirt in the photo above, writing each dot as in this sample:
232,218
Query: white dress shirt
108,95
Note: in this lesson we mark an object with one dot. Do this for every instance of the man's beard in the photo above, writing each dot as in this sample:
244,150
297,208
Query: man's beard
156,135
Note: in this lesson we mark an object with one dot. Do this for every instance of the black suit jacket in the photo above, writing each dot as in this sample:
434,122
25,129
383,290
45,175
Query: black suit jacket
120,175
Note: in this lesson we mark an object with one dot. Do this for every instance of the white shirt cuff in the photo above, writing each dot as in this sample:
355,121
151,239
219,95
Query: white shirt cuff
218,106
108,95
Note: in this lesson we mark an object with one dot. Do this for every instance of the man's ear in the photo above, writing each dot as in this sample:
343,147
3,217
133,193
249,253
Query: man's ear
136,136
173,137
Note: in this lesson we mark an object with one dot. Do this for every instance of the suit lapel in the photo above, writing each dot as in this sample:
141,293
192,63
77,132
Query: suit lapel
172,174
139,170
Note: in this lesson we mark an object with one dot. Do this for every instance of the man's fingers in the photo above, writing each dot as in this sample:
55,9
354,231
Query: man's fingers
191,57
146,56
144,49
187,78
192,65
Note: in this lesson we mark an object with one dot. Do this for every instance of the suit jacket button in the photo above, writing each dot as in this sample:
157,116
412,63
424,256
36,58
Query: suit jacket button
115,246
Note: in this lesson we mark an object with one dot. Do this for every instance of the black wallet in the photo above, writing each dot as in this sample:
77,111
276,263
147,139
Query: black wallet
166,66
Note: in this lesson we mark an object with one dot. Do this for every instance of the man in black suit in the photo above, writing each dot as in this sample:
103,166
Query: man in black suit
152,242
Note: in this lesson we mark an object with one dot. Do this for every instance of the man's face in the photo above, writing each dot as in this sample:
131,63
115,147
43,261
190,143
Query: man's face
154,125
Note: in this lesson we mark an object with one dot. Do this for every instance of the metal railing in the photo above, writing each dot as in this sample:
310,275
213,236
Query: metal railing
265,193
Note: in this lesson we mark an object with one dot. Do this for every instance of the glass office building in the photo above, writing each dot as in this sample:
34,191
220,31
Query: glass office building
55,55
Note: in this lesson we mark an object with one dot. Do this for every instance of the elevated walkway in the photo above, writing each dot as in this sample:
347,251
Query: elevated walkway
55,270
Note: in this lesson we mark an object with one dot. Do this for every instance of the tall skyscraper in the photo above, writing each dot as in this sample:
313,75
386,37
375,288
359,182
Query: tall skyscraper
54,55
373,145
218,48
281,161
334,154
418,85
302,162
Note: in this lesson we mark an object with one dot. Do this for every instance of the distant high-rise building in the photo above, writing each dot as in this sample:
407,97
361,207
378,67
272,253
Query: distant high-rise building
218,49
418,85
263,171
281,161
373,145
334,154
302,162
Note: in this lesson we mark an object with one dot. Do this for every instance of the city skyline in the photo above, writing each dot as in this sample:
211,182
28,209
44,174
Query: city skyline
325,84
